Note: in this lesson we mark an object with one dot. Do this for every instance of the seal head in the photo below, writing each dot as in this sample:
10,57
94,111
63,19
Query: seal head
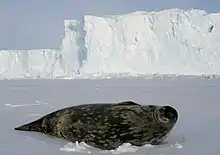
166,115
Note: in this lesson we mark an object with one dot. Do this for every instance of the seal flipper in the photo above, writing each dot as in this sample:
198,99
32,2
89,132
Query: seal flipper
32,126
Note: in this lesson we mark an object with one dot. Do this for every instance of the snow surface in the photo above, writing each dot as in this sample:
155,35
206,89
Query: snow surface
173,41
196,99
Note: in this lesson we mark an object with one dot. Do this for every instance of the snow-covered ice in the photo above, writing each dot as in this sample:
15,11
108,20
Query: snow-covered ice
197,100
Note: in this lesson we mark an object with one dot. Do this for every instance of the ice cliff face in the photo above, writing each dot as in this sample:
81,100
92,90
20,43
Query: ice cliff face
171,41
167,42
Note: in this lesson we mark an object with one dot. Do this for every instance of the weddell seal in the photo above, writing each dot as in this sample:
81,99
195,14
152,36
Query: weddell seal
108,126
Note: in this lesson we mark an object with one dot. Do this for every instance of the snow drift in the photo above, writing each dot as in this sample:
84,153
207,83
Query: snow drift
171,41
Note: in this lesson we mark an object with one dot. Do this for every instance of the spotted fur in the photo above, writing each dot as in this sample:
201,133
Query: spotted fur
107,126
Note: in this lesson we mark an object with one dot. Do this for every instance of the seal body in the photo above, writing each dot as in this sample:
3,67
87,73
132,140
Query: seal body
107,126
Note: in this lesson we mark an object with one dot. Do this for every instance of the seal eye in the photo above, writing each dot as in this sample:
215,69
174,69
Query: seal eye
167,114
170,113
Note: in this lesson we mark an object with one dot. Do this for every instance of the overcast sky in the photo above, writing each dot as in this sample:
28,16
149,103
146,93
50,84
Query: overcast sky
31,24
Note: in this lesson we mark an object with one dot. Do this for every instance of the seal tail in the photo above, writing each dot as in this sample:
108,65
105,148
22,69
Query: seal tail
32,126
